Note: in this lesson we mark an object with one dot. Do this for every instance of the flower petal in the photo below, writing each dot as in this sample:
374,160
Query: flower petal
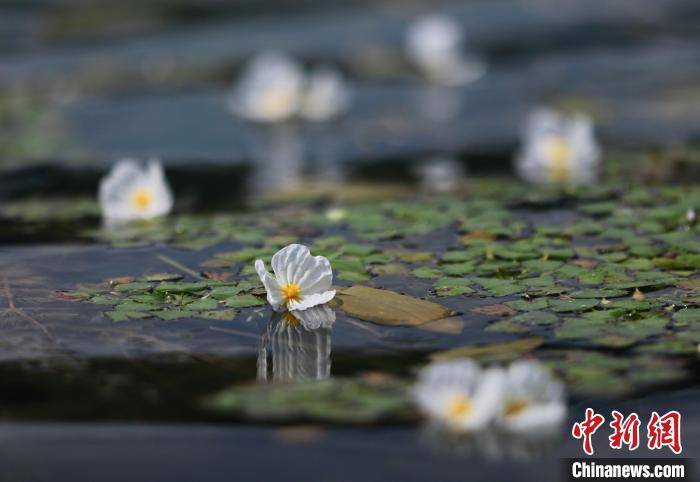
274,295
287,260
316,277
312,300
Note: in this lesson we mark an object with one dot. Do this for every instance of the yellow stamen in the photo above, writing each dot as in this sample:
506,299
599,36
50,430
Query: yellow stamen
277,103
459,407
558,153
290,319
515,407
141,199
291,292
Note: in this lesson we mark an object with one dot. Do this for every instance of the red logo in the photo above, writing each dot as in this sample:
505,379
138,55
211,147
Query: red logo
625,431
665,431
662,431
587,428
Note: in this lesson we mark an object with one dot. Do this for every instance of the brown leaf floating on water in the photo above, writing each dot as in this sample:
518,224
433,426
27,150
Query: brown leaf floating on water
389,308
496,310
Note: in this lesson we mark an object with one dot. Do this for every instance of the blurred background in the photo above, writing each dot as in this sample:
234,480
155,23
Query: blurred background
84,83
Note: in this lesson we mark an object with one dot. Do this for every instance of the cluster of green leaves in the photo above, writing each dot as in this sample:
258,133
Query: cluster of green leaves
168,297
606,269
336,400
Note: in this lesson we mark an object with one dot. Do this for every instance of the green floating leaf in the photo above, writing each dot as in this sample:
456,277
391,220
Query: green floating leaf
527,305
426,272
191,287
495,352
499,287
573,305
203,304
452,287
243,301
598,293
687,316
335,400
389,308
174,314
162,277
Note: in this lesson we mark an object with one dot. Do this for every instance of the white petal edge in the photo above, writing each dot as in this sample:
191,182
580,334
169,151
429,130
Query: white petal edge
272,287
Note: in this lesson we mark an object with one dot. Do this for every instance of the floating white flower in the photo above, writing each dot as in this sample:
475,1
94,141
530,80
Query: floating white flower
558,149
270,90
132,191
434,44
326,96
301,281
459,394
533,401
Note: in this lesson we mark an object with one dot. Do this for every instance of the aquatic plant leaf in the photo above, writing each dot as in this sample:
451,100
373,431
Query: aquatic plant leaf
494,352
389,308
243,301
336,400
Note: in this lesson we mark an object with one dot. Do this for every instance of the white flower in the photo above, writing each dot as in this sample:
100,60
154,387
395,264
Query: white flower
270,90
301,281
558,149
132,191
434,44
533,401
459,394
326,95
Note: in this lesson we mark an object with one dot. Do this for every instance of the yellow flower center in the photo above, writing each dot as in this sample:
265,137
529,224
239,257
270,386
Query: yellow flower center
141,199
459,407
558,153
277,103
515,407
290,319
291,292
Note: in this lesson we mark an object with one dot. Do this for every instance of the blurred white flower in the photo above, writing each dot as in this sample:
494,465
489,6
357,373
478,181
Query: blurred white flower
441,174
326,96
533,401
301,281
275,88
133,191
270,90
434,45
690,215
459,394
558,149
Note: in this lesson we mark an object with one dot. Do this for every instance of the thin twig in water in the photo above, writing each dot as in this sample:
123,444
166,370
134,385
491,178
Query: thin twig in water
234,332
180,266
19,312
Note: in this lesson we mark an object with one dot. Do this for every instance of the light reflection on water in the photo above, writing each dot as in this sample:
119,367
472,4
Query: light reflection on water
299,351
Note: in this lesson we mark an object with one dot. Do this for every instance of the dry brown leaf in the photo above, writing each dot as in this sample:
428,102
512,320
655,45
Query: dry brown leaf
496,310
494,352
389,308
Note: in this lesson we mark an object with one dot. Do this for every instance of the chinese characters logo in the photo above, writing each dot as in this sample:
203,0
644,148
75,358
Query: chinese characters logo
662,431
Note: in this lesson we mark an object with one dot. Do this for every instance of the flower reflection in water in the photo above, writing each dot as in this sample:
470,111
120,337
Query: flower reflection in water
300,342
493,444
